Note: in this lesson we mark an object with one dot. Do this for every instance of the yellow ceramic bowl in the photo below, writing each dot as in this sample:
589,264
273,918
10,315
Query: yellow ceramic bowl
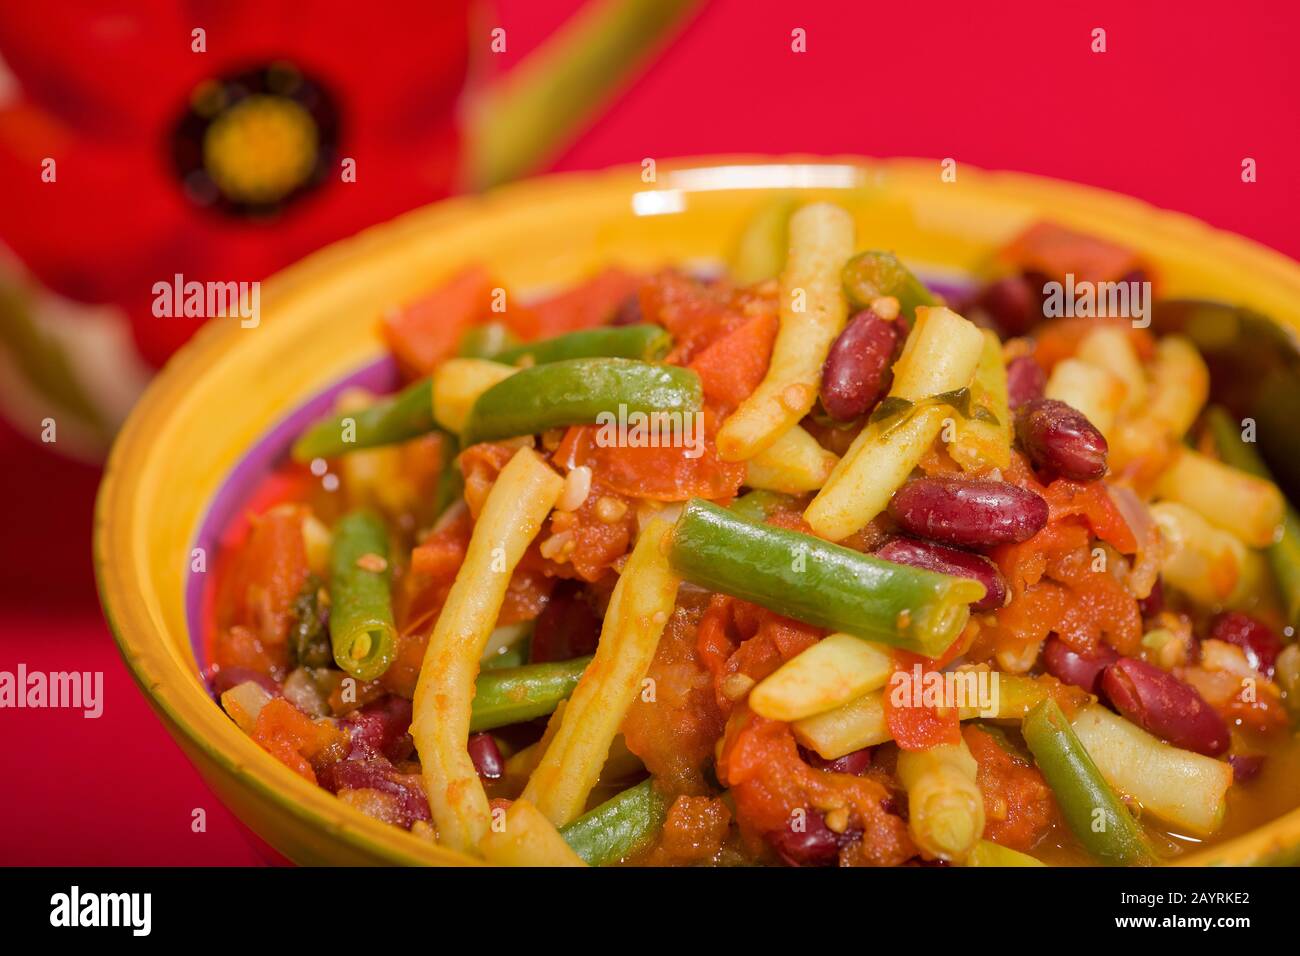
228,390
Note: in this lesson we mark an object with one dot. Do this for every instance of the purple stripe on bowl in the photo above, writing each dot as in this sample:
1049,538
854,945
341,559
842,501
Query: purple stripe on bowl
268,452
949,286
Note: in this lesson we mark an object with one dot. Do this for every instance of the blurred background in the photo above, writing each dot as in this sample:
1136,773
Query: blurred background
213,139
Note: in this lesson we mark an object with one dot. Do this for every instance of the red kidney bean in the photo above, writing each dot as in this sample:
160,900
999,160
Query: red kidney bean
486,755
1025,381
1163,705
1259,642
566,628
377,773
629,311
1012,303
1066,664
1153,603
1060,439
1246,766
857,370
946,560
856,763
817,845
968,513
382,727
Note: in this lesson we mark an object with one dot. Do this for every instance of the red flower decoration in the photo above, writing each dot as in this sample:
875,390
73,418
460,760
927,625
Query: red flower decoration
221,165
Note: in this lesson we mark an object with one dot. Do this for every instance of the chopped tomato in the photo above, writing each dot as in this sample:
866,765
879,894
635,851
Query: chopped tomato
240,647
769,782
480,464
1018,805
594,536
937,462
440,555
349,696
403,674
697,313
1059,583
297,741
526,595
423,333
674,734
736,637
1055,251
1060,338
1086,499
694,313
585,305
693,832
914,722
258,593
667,473
733,366
1256,707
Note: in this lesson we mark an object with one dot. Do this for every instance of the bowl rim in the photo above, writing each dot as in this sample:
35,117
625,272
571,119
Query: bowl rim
182,700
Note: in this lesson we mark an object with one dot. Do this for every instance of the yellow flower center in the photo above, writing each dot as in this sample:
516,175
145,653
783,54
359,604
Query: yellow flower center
261,149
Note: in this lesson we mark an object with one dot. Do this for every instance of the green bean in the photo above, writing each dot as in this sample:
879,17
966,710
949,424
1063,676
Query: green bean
486,341
409,413
821,583
618,827
579,392
1091,809
646,342
760,253
512,695
871,275
361,607
400,417
516,655
1284,553
451,481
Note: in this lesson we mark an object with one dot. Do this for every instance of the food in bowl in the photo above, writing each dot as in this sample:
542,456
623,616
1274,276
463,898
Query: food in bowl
805,563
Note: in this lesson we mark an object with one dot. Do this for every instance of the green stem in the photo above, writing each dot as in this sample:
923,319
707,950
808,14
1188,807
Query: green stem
523,120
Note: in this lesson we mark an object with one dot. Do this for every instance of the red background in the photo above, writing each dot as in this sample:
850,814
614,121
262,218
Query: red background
1184,92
